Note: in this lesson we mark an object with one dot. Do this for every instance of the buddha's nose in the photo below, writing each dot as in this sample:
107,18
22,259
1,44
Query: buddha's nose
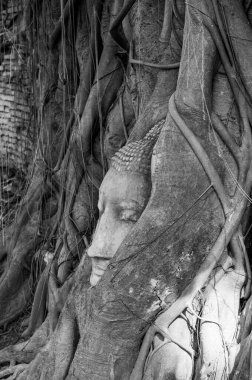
99,246
92,252
103,237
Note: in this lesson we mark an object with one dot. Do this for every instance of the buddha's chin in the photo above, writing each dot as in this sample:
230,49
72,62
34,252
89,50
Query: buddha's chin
99,267
95,277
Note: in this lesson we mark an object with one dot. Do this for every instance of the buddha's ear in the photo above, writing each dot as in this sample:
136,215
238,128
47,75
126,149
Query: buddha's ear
154,164
155,172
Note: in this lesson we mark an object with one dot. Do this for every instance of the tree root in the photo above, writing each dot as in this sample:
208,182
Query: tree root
159,66
231,224
12,354
172,358
117,34
101,97
223,31
70,225
15,288
217,337
48,295
88,77
56,34
123,116
246,320
13,372
226,138
243,366
240,255
39,304
24,353
57,296
176,14
167,22
233,77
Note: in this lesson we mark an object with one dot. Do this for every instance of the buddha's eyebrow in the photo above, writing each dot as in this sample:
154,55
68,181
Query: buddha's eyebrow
101,195
131,204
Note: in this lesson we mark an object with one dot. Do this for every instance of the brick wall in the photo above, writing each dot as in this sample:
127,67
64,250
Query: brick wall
16,128
15,91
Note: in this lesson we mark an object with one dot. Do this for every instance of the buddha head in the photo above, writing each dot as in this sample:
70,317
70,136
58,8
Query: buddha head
123,196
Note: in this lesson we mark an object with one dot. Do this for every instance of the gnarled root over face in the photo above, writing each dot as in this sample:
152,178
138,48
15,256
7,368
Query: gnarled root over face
172,358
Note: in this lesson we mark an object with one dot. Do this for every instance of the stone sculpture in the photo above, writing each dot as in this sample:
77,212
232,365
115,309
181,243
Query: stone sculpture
123,196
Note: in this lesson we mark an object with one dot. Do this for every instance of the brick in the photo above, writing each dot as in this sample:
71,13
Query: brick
23,108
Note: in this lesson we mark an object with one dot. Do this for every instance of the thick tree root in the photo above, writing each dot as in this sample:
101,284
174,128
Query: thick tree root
56,34
26,351
10,355
172,357
115,31
39,304
243,365
246,320
232,223
13,372
57,296
218,339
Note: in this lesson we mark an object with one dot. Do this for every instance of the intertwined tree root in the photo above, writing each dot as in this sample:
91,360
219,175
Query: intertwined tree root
13,371
233,209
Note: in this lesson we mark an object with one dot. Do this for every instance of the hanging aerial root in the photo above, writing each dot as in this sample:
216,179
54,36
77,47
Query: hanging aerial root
115,30
238,255
230,227
246,321
222,31
70,225
64,144
226,138
56,34
234,79
176,14
237,242
39,304
202,156
165,35
95,48
241,254
159,66
243,366
123,116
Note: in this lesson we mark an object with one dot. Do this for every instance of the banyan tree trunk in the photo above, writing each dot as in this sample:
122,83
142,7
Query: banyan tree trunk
187,225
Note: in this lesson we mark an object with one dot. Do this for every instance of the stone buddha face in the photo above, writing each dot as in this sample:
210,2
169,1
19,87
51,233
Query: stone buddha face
122,199
123,196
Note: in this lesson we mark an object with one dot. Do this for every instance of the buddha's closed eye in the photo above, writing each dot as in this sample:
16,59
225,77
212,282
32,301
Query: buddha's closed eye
129,216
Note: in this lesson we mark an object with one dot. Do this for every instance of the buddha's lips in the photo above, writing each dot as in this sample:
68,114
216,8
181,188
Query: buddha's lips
98,269
96,276
100,265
